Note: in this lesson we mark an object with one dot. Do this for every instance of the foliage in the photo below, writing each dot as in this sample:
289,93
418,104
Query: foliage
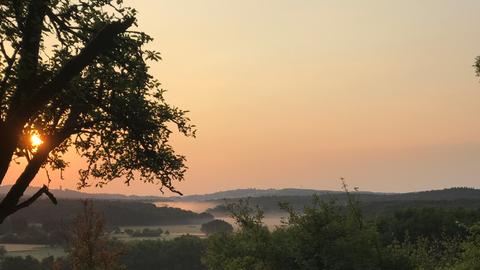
283,250
19,263
322,237
427,253
90,248
145,232
426,222
216,226
43,223
325,238
248,248
178,254
372,204
73,74
326,235
470,257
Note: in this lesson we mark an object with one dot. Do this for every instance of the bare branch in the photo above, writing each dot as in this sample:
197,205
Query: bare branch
7,71
61,25
4,52
28,202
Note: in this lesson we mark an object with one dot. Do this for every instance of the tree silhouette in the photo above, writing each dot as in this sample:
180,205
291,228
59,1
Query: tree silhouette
89,247
74,77
216,226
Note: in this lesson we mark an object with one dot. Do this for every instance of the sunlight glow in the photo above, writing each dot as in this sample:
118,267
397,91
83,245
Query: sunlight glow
36,140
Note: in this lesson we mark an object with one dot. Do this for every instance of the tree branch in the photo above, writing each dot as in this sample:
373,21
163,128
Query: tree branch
103,41
27,71
4,52
7,72
18,16
63,26
13,196
10,201
19,115
29,53
28,202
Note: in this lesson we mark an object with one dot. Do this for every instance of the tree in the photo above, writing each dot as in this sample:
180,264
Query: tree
74,77
247,248
19,263
216,226
90,247
183,252
470,256
324,235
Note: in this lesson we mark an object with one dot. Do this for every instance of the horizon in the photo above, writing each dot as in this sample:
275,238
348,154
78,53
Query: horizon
300,94
171,195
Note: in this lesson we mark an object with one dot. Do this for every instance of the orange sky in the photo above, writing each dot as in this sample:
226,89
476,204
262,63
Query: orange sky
301,93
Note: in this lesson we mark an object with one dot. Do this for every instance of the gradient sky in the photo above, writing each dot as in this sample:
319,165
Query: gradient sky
301,93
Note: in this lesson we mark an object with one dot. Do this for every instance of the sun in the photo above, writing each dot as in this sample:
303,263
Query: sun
36,140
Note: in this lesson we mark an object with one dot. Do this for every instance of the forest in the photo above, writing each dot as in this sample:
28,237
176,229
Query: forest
372,204
326,234
46,224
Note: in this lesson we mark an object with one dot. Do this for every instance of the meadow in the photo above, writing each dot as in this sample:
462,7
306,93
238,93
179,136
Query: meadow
37,251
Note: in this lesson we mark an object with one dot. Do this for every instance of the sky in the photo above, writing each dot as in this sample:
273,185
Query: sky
301,93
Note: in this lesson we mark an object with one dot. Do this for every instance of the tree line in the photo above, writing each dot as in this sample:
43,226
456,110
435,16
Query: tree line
325,235
44,223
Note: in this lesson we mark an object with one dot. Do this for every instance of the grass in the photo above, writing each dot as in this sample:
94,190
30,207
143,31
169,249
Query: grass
174,231
37,251
42,251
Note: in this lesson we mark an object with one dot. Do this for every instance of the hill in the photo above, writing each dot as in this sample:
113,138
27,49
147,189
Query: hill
250,192
371,202
116,213
77,195
457,193
444,194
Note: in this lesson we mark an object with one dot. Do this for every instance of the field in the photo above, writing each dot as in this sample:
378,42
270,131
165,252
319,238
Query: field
170,232
42,251
173,231
36,251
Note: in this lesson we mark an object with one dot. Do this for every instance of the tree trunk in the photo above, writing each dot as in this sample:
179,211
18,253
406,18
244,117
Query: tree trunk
9,204
8,142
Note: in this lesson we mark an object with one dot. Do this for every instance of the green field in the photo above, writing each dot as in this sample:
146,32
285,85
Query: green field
42,251
173,231
36,251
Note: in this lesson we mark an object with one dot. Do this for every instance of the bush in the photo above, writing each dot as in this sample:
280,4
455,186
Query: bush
216,226
178,254
145,232
324,236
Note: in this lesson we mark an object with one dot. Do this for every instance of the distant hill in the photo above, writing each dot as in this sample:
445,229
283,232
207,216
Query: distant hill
432,195
116,213
250,192
448,194
459,193
73,194
371,202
